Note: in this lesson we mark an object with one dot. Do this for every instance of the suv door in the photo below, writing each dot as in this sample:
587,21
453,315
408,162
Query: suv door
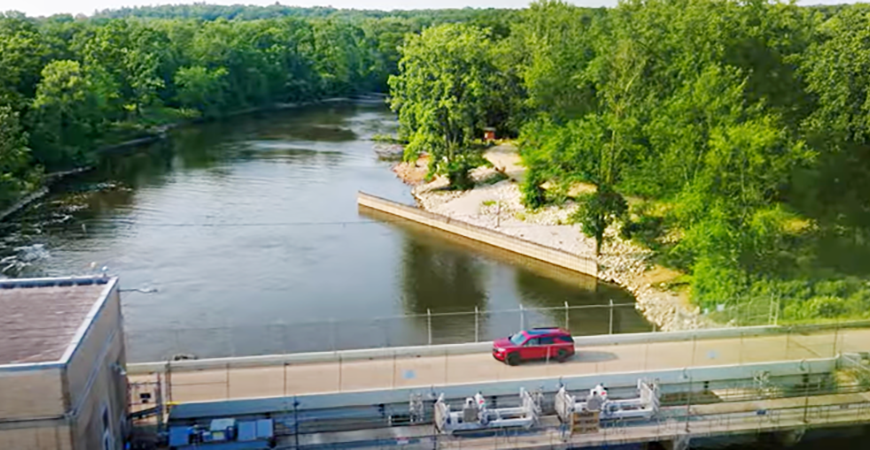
548,347
532,349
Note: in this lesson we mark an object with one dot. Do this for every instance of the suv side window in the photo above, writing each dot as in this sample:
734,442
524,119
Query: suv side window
532,342
547,341
566,339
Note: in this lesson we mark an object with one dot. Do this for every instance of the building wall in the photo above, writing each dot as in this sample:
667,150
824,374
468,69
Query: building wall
97,388
51,435
30,394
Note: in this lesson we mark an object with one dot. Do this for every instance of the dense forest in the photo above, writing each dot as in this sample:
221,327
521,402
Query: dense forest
732,137
71,85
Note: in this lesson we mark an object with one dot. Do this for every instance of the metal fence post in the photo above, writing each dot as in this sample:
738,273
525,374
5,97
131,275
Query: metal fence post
386,329
567,323
332,333
429,322
776,314
611,317
230,341
522,318
476,325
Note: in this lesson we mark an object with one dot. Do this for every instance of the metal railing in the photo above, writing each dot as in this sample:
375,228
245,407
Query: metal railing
678,428
431,328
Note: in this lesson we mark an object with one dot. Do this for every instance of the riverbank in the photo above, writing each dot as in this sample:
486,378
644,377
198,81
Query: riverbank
158,133
495,203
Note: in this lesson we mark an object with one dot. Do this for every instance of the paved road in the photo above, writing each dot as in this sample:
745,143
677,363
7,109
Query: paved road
312,378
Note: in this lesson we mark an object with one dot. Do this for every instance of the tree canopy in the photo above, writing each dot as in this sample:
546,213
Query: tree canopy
70,85
730,136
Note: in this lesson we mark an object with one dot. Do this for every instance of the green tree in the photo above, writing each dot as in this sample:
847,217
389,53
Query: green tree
14,157
557,39
63,114
442,94
597,211
22,54
202,89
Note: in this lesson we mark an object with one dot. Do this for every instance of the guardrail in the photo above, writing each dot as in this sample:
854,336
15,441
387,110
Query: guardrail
696,377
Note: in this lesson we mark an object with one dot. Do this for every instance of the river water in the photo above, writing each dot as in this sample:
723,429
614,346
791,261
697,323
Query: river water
246,238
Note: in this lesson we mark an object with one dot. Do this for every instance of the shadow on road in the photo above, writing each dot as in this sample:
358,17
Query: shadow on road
592,356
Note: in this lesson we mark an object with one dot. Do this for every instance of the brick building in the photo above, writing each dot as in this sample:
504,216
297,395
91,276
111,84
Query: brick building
62,379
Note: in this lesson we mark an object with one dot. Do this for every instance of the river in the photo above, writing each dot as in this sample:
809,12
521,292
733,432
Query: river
243,237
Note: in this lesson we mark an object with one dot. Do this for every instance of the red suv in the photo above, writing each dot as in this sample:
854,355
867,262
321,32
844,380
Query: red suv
537,343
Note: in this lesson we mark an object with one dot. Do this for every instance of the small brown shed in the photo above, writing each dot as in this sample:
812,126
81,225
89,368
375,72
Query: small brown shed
489,134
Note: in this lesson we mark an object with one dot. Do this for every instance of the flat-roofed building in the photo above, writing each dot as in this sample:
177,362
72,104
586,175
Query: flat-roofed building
62,379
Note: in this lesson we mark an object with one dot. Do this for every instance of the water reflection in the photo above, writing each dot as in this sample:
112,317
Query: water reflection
435,263
443,280
582,319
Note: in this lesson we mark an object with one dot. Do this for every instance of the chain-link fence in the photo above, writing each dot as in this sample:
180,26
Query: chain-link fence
440,366
396,331
756,311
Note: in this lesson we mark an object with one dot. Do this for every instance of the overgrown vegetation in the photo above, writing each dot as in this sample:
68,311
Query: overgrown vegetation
740,127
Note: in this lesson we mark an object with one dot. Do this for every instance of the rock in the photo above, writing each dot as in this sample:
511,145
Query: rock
622,262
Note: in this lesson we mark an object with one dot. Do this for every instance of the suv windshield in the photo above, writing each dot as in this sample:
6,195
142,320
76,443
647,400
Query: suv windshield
518,338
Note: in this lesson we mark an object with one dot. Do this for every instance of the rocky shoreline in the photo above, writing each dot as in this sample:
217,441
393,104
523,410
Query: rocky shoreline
495,203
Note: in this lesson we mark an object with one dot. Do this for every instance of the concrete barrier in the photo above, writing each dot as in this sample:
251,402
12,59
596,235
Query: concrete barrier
583,264
697,376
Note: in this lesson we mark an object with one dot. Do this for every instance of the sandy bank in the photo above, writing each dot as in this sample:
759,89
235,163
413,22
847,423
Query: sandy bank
498,206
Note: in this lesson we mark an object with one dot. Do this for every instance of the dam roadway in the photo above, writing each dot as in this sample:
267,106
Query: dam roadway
385,369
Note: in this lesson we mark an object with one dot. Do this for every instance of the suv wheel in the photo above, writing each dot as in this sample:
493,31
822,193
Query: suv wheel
513,359
561,355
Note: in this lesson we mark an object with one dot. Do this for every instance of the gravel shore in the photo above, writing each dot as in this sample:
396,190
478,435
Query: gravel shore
497,206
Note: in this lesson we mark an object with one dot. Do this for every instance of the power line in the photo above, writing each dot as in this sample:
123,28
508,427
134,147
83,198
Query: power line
244,224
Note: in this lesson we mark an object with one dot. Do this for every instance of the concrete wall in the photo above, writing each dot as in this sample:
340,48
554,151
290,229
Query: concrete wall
49,436
582,264
717,375
96,383
31,394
